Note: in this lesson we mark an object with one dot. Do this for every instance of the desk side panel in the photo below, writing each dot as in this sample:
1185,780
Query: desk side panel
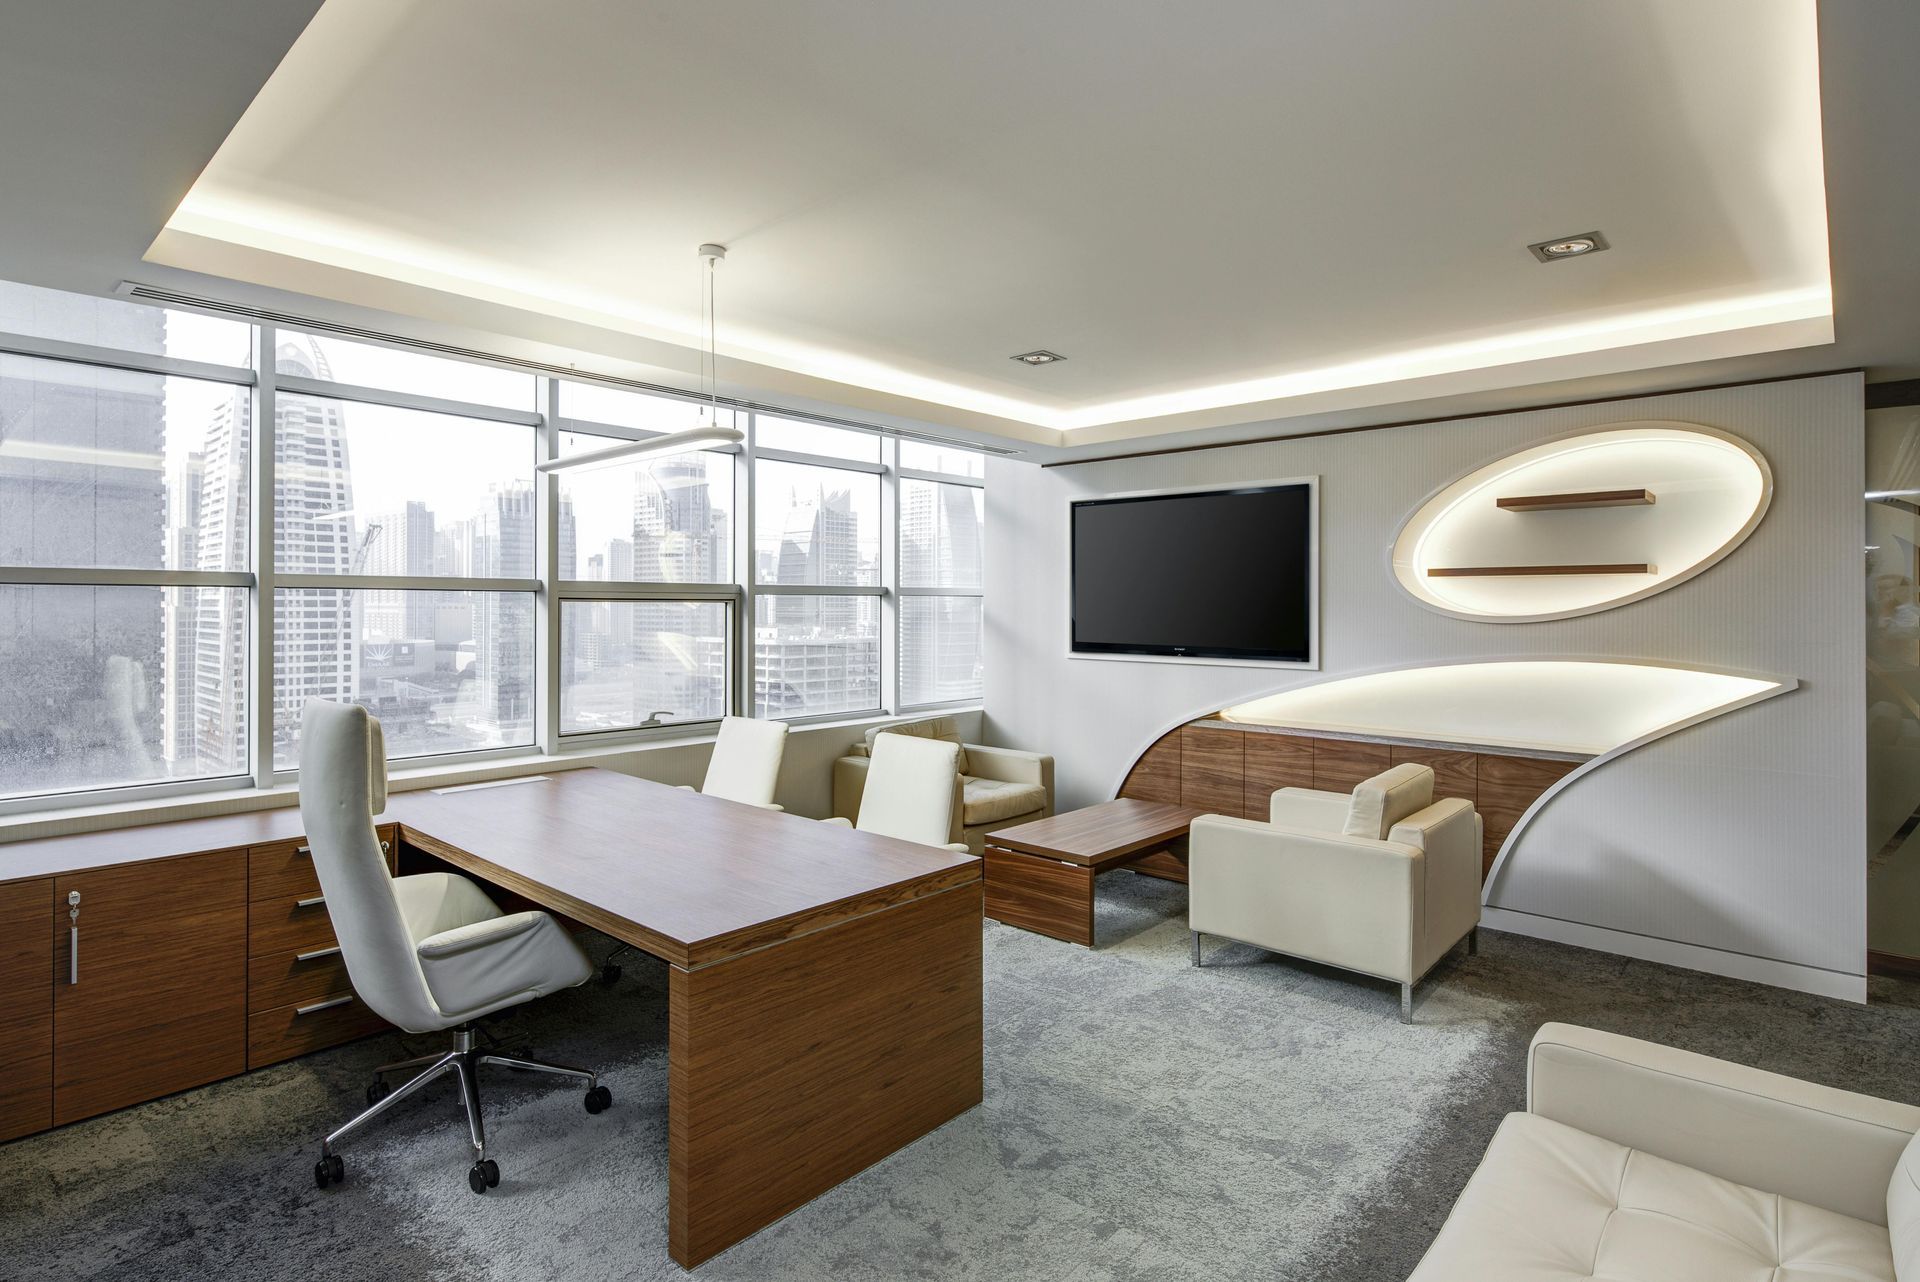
796,1067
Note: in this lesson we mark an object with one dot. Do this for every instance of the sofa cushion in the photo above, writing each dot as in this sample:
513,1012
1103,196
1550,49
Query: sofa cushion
1552,1202
988,801
1384,800
931,728
1903,1212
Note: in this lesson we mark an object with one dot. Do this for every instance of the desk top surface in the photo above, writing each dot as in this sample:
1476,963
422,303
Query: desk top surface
1099,834
689,878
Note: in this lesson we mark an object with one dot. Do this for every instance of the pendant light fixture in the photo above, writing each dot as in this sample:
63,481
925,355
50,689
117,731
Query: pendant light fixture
705,436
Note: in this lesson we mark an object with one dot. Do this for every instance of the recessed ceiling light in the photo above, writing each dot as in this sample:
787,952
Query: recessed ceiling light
1039,358
1587,242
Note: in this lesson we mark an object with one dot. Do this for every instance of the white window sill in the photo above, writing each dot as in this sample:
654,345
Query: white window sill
34,824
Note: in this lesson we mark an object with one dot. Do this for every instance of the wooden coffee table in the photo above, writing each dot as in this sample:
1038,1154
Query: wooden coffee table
1040,874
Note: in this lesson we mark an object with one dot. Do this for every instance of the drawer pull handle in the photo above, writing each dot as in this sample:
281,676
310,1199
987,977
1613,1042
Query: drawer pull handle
383,847
320,1006
73,937
313,902
303,850
318,953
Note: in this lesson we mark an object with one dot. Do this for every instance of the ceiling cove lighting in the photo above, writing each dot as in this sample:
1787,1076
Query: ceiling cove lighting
1806,309
705,436
1552,251
1039,357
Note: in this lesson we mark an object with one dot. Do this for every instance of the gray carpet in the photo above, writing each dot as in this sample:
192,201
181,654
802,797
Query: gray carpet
1258,1119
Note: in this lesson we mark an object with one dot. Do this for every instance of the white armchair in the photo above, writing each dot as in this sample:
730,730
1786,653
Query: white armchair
914,793
999,787
1384,882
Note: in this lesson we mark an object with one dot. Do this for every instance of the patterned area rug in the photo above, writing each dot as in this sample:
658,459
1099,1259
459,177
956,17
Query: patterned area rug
1256,1119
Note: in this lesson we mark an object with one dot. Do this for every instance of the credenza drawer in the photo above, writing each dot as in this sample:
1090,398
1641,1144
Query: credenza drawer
287,926
284,870
296,979
287,1031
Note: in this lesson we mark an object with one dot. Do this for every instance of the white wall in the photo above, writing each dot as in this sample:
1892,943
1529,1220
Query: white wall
1736,846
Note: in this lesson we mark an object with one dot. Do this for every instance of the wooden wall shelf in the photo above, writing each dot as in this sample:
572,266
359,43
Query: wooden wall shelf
1570,502
1511,571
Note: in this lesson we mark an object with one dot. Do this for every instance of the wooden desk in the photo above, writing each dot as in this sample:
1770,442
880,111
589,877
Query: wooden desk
825,986
1040,875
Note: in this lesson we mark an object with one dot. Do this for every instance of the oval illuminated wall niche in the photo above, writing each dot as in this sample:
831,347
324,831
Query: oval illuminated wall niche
1584,523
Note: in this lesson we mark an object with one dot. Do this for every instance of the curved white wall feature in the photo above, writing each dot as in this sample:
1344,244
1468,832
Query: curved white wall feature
1579,706
1708,492
1601,707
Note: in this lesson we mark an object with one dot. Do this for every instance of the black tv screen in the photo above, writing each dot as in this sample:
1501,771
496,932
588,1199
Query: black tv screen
1216,574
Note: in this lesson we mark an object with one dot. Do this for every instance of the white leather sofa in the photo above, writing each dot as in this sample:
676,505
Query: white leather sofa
999,787
1383,882
1636,1162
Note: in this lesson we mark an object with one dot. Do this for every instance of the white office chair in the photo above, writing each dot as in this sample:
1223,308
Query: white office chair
745,765
912,792
429,952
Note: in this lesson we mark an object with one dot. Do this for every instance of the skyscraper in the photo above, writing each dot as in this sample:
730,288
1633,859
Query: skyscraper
400,543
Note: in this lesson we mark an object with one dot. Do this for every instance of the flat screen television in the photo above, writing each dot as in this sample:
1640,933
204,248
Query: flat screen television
1196,574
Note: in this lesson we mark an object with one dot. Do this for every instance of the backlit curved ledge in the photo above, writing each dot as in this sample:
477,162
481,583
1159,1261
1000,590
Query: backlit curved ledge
1706,492
1602,707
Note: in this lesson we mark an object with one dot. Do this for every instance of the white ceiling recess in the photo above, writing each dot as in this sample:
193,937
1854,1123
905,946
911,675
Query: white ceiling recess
1285,209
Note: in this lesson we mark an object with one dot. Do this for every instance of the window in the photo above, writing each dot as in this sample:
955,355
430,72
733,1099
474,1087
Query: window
816,572
626,664
425,512
124,547
941,554
420,564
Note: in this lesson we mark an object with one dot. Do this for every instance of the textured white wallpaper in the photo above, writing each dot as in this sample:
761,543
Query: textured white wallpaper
1744,836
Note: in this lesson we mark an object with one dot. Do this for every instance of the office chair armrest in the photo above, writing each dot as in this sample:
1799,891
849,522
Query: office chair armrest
775,806
480,934
838,821
958,847
686,787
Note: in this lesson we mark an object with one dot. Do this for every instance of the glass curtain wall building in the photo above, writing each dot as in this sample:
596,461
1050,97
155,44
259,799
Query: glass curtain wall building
172,589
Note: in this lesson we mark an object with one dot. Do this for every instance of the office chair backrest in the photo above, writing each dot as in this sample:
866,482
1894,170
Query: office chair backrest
913,790
343,784
745,765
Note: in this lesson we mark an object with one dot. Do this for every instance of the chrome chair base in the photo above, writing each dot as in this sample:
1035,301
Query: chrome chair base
464,1062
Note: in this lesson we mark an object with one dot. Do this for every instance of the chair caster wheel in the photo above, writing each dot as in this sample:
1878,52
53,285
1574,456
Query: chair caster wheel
482,1176
329,1170
610,974
599,1099
377,1091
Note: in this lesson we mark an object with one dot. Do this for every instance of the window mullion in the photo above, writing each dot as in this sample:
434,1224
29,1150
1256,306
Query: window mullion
260,685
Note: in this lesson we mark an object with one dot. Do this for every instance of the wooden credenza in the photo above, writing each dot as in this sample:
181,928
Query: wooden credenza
201,949
1231,768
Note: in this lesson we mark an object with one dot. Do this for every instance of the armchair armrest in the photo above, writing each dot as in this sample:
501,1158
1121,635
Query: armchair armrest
838,821
849,785
1827,1147
1347,901
1309,809
1010,765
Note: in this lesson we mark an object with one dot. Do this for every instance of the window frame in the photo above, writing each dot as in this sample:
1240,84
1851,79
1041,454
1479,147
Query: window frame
263,580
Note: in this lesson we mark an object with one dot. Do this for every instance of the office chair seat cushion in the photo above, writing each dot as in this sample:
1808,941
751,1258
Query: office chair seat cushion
431,902
985,801
482,966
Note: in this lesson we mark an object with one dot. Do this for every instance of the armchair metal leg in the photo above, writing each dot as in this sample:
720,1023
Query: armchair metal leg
402,1066
1406,1003
541,1066
1196,948
445,1063
464,1062
470,1096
